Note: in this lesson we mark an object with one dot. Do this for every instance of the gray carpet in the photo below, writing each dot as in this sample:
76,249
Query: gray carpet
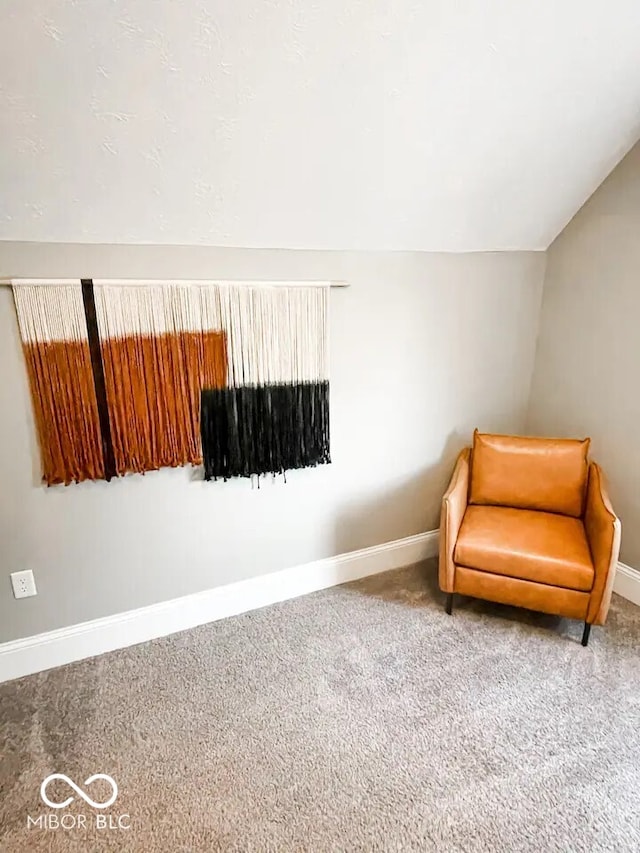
359,718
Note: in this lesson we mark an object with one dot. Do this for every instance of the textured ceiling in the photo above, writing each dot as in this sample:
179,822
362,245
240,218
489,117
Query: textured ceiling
358,124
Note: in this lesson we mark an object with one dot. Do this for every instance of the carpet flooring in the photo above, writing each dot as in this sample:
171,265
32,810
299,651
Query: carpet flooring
360,718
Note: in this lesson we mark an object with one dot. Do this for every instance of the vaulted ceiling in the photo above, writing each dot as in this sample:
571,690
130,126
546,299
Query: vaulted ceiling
356,124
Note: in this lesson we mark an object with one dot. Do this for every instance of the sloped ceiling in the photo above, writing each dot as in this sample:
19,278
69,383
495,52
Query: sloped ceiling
358,124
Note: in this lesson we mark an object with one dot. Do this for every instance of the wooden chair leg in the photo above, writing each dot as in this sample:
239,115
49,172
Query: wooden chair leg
449,603
585,634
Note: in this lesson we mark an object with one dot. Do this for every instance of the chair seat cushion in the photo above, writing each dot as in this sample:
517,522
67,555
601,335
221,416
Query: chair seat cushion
521,543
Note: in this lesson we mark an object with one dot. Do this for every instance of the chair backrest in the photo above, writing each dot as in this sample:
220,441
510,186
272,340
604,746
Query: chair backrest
548,474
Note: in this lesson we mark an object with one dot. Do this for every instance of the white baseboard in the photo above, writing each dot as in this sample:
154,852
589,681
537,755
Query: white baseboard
627,583
65,645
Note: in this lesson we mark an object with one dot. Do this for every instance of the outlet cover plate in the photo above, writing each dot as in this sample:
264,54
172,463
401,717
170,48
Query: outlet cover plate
24,584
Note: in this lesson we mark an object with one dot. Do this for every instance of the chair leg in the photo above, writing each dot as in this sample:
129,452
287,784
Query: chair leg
449,603
585,634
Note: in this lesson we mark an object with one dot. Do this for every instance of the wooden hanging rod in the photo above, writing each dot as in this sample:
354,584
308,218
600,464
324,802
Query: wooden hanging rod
141,282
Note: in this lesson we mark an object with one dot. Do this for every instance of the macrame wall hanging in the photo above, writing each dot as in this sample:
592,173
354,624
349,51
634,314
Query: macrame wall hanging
132,378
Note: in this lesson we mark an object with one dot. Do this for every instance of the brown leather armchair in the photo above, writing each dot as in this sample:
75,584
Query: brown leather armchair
527,522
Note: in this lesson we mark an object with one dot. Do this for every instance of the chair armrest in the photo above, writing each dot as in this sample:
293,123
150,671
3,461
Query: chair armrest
603,531
454,505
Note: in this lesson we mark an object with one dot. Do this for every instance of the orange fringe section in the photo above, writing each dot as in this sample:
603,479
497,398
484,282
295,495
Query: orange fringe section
153,386
65,410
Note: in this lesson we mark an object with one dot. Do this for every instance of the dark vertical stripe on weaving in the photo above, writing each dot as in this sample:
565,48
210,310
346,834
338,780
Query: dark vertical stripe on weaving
265,429
97,366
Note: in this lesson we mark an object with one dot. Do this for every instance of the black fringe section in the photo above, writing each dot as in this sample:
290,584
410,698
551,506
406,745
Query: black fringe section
266,429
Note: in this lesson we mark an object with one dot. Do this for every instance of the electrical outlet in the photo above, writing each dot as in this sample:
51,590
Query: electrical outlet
23,584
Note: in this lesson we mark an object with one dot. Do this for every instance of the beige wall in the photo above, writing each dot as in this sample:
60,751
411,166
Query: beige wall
424,347
587,373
